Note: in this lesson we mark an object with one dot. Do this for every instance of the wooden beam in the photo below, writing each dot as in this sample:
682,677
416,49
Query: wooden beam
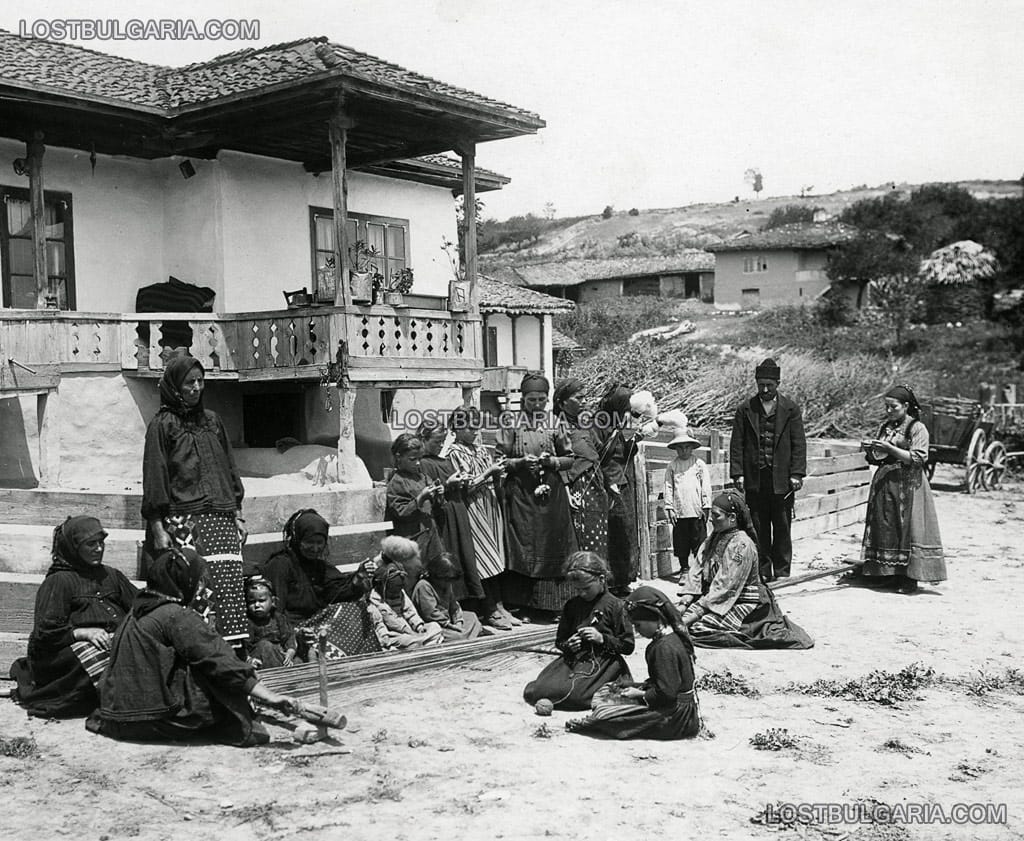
38,206
48,423
467,151
339,124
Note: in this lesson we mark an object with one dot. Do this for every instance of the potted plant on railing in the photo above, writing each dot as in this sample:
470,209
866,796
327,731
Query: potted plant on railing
364,271
398,285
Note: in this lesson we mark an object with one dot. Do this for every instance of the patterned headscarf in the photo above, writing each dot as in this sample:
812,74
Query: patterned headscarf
904,394
649,603
174,575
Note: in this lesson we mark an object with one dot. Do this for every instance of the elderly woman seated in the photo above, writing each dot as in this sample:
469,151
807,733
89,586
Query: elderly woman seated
171,677
78,607
392,613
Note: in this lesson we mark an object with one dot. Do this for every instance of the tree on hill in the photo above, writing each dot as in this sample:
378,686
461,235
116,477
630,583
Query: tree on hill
753,177
549,211
788,215
608,212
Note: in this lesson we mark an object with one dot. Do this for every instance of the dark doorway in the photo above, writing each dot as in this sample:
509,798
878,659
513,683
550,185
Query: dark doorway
269,417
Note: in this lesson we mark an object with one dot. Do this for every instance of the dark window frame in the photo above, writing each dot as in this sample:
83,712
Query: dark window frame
49,196
361,220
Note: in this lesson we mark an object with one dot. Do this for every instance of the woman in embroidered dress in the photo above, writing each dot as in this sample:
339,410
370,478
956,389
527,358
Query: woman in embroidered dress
539,533
78,607
901,532
665,705
593,635
487,526
584,480
191,490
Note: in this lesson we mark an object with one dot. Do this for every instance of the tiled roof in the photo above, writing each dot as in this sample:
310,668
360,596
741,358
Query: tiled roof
796,236
496,296
575,272
452,164
560,341
84,73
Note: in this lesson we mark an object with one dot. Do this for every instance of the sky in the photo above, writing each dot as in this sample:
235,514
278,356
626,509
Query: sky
663,103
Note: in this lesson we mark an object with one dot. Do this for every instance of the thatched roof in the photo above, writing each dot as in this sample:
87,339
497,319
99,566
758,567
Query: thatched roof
958,264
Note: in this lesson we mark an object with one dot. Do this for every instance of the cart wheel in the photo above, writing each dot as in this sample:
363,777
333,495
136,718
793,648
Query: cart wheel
995,464
975,472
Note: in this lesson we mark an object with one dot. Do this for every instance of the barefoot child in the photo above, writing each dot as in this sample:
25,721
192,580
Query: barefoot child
687,497
665,705
435,601
272,641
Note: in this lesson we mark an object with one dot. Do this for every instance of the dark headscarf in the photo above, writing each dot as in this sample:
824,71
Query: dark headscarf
174,575
68,539
905,395
389,581
616,402
650,603
563,391
534,381
303,524
175,371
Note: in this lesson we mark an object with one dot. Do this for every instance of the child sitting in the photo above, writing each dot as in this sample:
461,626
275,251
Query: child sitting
687,497
272,641
435,601
392,614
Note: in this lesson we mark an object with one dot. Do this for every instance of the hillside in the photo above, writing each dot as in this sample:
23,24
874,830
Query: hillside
665,231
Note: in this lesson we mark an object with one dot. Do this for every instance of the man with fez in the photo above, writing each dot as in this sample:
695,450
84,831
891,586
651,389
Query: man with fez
768,461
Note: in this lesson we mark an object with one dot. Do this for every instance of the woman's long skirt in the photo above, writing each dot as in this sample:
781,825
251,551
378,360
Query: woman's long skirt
627,719
589,501
214,535
571,685
623,538
901,531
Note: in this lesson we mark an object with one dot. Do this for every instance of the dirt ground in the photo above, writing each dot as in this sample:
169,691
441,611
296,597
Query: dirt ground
457,754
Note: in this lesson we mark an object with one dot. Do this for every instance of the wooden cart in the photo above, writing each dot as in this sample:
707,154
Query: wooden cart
961,434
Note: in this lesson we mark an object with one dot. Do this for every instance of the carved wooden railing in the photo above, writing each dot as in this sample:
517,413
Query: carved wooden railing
283,340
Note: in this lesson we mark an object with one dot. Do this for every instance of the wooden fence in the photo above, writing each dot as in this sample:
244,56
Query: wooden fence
834,494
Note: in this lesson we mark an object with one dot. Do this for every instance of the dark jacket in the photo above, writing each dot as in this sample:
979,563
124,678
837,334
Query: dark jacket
152,660
790,454
304,589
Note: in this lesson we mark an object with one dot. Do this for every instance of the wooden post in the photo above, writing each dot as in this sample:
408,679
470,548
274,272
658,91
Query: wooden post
647,570
339,125
471,395
48,425
515,350
37,203
467,151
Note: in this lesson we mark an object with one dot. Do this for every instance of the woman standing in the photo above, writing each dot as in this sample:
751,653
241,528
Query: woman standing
584,480
191,490
538,521
901,531
78,607
450,512
593,635
619,448
486,524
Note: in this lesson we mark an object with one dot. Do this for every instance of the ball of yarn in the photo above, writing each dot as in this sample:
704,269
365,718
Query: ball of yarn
544,707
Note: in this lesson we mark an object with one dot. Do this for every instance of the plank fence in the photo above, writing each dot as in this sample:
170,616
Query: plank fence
834,494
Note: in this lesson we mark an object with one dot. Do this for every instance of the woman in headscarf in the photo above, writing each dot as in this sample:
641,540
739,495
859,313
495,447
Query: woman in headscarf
593,635
537,516
173,678
901,543
725,601
584,480
450,512
410,502
313,593
191,490
665,705
78,607
618,446
487,526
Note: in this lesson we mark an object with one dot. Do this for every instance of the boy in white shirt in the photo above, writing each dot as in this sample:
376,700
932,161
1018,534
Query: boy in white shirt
687,497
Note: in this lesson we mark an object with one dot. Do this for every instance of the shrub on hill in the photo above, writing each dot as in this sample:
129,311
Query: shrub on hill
601,323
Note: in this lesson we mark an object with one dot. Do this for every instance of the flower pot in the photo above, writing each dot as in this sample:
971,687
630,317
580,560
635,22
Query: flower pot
394,299
361,285
458,296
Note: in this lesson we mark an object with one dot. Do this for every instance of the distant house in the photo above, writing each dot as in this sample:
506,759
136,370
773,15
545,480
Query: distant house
517,337
689,274
784,265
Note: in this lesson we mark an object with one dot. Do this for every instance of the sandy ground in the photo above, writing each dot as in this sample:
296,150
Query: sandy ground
457,754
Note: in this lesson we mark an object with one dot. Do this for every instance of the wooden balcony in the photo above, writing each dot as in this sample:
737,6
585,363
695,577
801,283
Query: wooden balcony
389,346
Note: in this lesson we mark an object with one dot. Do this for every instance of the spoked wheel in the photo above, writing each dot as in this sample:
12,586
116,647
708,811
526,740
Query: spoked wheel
995,464
975,469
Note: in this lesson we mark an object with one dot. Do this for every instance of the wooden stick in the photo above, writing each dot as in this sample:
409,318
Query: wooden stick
321,668
810,576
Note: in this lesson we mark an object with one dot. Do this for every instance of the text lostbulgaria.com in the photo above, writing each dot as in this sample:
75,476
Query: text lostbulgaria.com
886,813
135,29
